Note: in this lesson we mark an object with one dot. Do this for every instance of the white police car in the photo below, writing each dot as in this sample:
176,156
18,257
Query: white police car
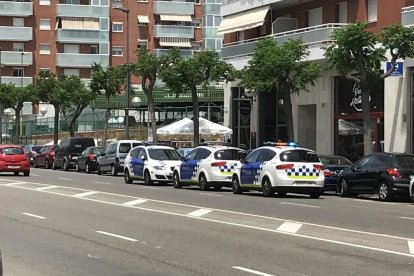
208,166
280,168
153,163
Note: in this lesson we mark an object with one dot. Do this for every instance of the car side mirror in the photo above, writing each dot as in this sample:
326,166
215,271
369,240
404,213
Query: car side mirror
143,158
182,158
243,160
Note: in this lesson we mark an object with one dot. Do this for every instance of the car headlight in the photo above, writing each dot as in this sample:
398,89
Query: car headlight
159,168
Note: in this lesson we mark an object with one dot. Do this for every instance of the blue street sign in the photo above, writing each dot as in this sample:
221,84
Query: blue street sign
398,71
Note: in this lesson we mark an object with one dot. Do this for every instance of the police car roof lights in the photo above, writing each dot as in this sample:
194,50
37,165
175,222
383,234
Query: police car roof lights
280,144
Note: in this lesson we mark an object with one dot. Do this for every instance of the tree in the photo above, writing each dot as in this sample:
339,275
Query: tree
14,97
186,75
106,81
280,69
79,97
49,90
147,67
357,54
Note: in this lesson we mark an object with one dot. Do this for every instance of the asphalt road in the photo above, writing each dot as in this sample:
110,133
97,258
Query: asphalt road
67,223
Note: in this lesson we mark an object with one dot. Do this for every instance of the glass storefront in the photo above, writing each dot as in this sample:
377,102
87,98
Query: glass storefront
348,118
241,118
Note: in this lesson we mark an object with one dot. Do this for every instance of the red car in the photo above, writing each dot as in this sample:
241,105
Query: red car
45,157
13,159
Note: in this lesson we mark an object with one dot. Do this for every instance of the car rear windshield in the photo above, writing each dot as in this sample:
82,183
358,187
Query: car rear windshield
12,151
403,161
229,154
98,150
335,160
124,147
37,148
305,156
77,146
164,154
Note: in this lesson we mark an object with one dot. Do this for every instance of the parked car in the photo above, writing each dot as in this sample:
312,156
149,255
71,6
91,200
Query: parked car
152,163
208,166
333,165
45,157
387,174
87,161
183,151
31,151
14,159
69,150
112,160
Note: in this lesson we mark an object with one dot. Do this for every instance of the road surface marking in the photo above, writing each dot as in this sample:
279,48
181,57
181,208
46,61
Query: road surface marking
99,182
405,218
199,212
289,227
297,204
135,202
14,183
411,246
116,236
85,194
63,178
46,188
32,174
152,188
210,194
34,216
252,271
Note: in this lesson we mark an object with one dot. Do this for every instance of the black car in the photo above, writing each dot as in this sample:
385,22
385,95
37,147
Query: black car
333,165
387,174
69,150
88,159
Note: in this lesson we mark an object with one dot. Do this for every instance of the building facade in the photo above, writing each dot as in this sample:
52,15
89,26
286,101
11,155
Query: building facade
327,118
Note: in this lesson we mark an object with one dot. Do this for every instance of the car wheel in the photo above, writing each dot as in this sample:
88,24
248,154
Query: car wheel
65,166
54,165
26,173
16,173
147,178
281,194
203,183
127,177
176,181
98,170
315,195
35,163
267,188
384,192
113,171
87,168
235,185
344,189
77,167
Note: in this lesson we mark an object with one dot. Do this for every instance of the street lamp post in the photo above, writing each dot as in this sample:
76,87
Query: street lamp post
1,108
136,102
128,80
21,69
43,111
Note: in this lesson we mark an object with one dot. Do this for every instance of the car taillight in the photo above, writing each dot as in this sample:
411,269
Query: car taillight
393,172
329,173
70,156
318,167
92,157
218,164
284,167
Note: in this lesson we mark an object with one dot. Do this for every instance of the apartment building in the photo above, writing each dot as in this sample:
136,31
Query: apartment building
328,118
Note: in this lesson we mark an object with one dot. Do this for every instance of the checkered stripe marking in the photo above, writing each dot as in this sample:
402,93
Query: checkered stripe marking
195,170
303,172
258,173
227,169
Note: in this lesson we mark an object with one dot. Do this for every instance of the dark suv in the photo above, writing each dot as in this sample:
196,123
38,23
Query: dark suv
387,174
69,150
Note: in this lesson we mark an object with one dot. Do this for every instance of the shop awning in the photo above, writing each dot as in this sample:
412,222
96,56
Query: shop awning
243,20
175,42
143,19
80,23
175,17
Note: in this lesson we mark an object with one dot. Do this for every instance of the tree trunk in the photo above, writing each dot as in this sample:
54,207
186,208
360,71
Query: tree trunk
71,129
107,114
196,137
366,120
73,120
56,126
17,130
152,113
287,107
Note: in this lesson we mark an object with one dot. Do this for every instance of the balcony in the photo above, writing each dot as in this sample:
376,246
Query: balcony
173,31
310,36
17,80
82,36
407,16
173,7
185,53
10,58
81,11
235,6
80,60
9,8
10,33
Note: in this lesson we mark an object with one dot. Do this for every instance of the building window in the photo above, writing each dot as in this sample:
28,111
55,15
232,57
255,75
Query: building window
18,47
44,49
44,2
71,72
18,22
372,10
197,2
315,17
44,70
142,43
117,27
17,72
94,49
117,51
142,1
44,24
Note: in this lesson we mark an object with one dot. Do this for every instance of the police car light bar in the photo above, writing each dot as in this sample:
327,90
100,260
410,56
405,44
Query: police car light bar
280,144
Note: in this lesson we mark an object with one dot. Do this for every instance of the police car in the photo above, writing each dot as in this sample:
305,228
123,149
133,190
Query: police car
208,166
281,168
151,163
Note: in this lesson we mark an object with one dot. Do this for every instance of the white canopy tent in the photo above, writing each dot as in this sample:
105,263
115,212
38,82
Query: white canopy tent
186,126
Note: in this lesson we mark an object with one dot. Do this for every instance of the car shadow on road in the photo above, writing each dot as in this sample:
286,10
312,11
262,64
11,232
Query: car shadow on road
374,198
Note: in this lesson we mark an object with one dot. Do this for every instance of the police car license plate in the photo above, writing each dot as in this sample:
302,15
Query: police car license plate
304,183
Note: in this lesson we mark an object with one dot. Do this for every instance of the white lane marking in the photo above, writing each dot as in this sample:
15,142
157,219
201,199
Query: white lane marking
85,194
116,236
46,188
297,204
14,183
411,246
99,182
406,218
210,194
63,178
93,257
32,174
151,188
33,215
289,227
252,271
199,212
135,202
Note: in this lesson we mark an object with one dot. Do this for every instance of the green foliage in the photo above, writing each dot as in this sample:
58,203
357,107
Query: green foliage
106,81
12,96
147,67
398,40
49,90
